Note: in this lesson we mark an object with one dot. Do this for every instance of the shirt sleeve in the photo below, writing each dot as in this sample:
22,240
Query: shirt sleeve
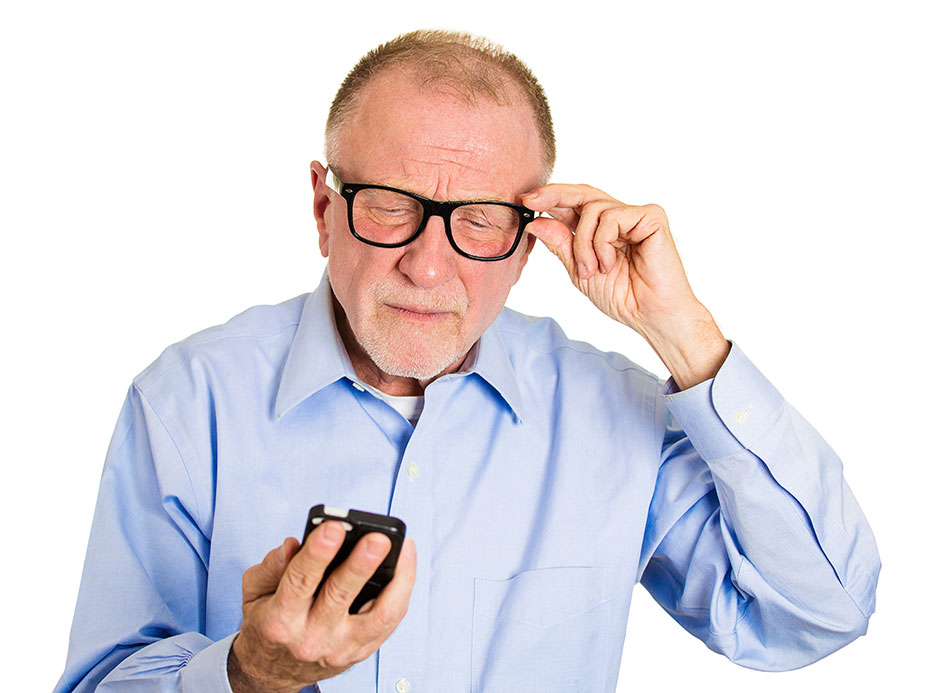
754,542
140,613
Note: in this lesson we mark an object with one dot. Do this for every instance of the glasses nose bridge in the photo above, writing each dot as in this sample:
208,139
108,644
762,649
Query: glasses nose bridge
435,208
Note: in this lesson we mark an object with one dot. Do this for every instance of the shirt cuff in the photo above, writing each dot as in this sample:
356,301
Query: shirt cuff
728,413
207,672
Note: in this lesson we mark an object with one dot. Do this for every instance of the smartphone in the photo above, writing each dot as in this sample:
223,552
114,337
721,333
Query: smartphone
357,523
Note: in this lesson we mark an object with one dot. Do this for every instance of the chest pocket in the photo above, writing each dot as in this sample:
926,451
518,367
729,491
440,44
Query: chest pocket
541,630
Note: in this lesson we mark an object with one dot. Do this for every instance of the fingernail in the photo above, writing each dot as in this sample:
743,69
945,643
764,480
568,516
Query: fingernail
333,534
375,547
530,195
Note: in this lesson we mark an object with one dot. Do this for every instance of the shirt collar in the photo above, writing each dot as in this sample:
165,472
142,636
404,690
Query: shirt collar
317,357
493,364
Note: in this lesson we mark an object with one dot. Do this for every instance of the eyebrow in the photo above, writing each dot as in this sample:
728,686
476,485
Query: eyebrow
491,197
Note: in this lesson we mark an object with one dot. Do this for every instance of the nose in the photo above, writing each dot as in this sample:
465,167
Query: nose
429,261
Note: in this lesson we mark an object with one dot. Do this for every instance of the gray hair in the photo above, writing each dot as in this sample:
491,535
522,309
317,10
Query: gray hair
472,66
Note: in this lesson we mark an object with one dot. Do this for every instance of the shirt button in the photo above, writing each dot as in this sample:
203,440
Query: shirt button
742,415
413,471
402,686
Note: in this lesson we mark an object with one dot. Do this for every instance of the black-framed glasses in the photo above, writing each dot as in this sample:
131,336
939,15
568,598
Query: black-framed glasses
385,217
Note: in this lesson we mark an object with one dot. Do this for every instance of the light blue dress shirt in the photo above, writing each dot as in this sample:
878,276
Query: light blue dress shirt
540,485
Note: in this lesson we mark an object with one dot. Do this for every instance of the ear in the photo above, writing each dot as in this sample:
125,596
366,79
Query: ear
523,260
321,203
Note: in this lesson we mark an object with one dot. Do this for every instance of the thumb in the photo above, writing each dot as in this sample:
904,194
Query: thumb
558,238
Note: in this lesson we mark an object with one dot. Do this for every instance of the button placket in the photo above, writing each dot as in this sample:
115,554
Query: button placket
402,656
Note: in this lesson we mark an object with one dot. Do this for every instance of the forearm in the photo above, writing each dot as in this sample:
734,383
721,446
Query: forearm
135,618
189,663
689,343
768,462
778,565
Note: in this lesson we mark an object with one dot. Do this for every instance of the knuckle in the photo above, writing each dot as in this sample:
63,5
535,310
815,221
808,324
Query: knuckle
336,594
247,580
386,618
311,648
339,658
612,215
297,580
302,651
591,191
275,630
364,652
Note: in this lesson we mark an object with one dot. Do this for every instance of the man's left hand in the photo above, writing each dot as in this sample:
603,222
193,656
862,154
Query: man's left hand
622,257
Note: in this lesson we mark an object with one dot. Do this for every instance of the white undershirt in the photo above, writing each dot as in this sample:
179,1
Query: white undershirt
410,406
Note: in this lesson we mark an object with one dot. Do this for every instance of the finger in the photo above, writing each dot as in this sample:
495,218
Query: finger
393,601
566,215
558,238
561,195
605,237
584,238
262,579
305,570
637,223
345,582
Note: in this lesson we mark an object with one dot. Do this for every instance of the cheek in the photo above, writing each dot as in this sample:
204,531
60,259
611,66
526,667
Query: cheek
355,268
346,272
491,294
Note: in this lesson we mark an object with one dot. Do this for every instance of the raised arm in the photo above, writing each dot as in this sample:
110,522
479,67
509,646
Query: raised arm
754,542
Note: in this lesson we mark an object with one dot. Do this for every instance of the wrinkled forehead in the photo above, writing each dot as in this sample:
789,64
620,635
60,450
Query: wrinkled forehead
402,121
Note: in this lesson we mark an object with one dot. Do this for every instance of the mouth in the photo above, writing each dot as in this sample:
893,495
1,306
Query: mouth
418,313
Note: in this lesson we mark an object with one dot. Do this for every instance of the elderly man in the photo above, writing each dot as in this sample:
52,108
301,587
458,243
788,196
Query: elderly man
539,478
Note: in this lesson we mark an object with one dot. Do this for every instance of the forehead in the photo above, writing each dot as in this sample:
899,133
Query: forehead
437,142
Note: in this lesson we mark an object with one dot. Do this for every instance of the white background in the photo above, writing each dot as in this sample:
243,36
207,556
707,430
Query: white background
155,182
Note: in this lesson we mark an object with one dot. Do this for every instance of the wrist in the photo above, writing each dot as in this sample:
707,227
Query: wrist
238,679
691,346
241,679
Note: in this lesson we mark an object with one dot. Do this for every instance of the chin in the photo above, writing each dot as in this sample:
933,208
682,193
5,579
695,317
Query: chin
409,359
403,349
418,369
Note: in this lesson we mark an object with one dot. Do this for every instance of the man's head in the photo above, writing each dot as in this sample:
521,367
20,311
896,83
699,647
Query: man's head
449,118
471,67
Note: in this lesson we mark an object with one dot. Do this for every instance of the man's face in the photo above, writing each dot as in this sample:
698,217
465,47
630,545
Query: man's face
416,311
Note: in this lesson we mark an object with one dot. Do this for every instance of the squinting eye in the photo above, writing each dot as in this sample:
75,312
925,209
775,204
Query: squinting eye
391,211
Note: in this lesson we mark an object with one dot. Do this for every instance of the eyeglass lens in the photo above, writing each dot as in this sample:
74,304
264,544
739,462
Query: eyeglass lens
482,230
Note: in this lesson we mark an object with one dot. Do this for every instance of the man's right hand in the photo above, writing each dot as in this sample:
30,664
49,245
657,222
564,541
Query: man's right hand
289,639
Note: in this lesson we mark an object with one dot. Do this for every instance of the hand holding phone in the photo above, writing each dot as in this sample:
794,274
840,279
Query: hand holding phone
284,642
358,523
